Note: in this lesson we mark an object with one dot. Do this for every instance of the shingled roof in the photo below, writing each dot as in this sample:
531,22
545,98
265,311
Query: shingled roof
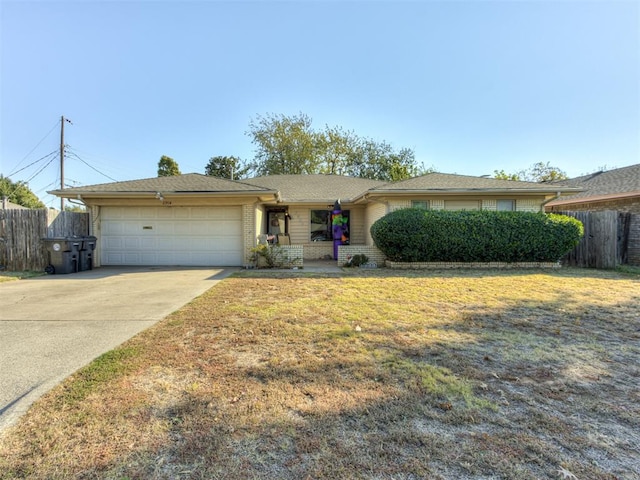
187,183
440,182
620,182
316,188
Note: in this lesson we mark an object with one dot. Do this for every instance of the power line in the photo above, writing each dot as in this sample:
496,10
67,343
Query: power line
32,163
31,151
39,171
96,161
43,189
75,155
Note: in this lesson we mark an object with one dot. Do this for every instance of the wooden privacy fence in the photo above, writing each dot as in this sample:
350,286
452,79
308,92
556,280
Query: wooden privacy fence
22,231
606,239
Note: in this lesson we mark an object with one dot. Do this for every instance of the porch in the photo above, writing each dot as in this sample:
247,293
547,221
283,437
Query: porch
314,253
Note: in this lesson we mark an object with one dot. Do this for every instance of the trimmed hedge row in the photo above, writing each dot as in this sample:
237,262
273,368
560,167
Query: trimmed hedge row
416,235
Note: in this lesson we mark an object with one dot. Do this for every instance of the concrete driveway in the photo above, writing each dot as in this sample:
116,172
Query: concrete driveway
51,326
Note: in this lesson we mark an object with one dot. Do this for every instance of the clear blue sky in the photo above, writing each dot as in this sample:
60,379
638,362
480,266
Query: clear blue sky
471,87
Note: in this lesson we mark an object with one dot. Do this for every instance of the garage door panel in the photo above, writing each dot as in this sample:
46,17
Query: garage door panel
201,214
132,258
230,228
203,228
112,259
206,236
112,243
131,243
129,228
182,213
165,214
112,228
226,244
202,244
165,228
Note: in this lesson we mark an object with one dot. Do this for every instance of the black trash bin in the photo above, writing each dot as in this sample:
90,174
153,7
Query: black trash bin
64,253
86,252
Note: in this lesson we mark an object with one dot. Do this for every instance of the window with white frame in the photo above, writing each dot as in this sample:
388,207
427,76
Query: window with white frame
505,205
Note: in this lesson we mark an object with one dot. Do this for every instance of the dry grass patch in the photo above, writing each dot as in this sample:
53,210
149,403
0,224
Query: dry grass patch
371,375
6,276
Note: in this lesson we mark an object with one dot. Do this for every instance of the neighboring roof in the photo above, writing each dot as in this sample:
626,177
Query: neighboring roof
618,183
439,182
7,205
317,187
187,183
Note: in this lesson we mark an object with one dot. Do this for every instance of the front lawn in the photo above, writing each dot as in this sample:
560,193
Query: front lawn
6,276
371,375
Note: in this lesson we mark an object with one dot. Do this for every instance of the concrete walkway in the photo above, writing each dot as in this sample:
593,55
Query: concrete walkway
51,326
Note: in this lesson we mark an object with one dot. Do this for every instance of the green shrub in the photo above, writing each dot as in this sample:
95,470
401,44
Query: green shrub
415,235
271,256
356,260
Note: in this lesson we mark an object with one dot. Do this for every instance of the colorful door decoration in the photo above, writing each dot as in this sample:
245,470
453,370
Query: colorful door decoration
339,228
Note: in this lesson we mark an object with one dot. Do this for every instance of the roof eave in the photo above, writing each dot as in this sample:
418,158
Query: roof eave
594,198
93,194
343,201
466,191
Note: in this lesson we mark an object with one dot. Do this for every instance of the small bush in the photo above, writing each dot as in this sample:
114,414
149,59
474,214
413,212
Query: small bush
415,235
356,260
271,256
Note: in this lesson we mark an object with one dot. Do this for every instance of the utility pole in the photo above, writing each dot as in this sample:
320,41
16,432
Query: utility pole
62,120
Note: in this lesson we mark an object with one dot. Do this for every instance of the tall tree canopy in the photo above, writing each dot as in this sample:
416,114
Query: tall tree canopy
167,167
19,193
538,172
232,168
285,145
289,145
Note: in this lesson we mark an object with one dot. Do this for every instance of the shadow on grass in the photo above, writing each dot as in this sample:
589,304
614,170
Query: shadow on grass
563,272
519,391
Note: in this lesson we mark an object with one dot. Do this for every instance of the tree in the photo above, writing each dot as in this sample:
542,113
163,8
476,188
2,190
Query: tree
285,145
378,161
232,168
502,175
19,193
543,172
167,167
289,145
75,208
538,172
335,148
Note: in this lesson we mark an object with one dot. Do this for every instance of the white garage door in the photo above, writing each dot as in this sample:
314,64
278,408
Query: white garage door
196,236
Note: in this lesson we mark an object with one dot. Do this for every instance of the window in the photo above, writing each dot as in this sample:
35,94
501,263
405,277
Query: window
461,205
276,222
422,204
321,228
505,205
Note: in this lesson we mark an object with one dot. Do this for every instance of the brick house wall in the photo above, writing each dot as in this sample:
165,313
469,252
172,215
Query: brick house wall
619,205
